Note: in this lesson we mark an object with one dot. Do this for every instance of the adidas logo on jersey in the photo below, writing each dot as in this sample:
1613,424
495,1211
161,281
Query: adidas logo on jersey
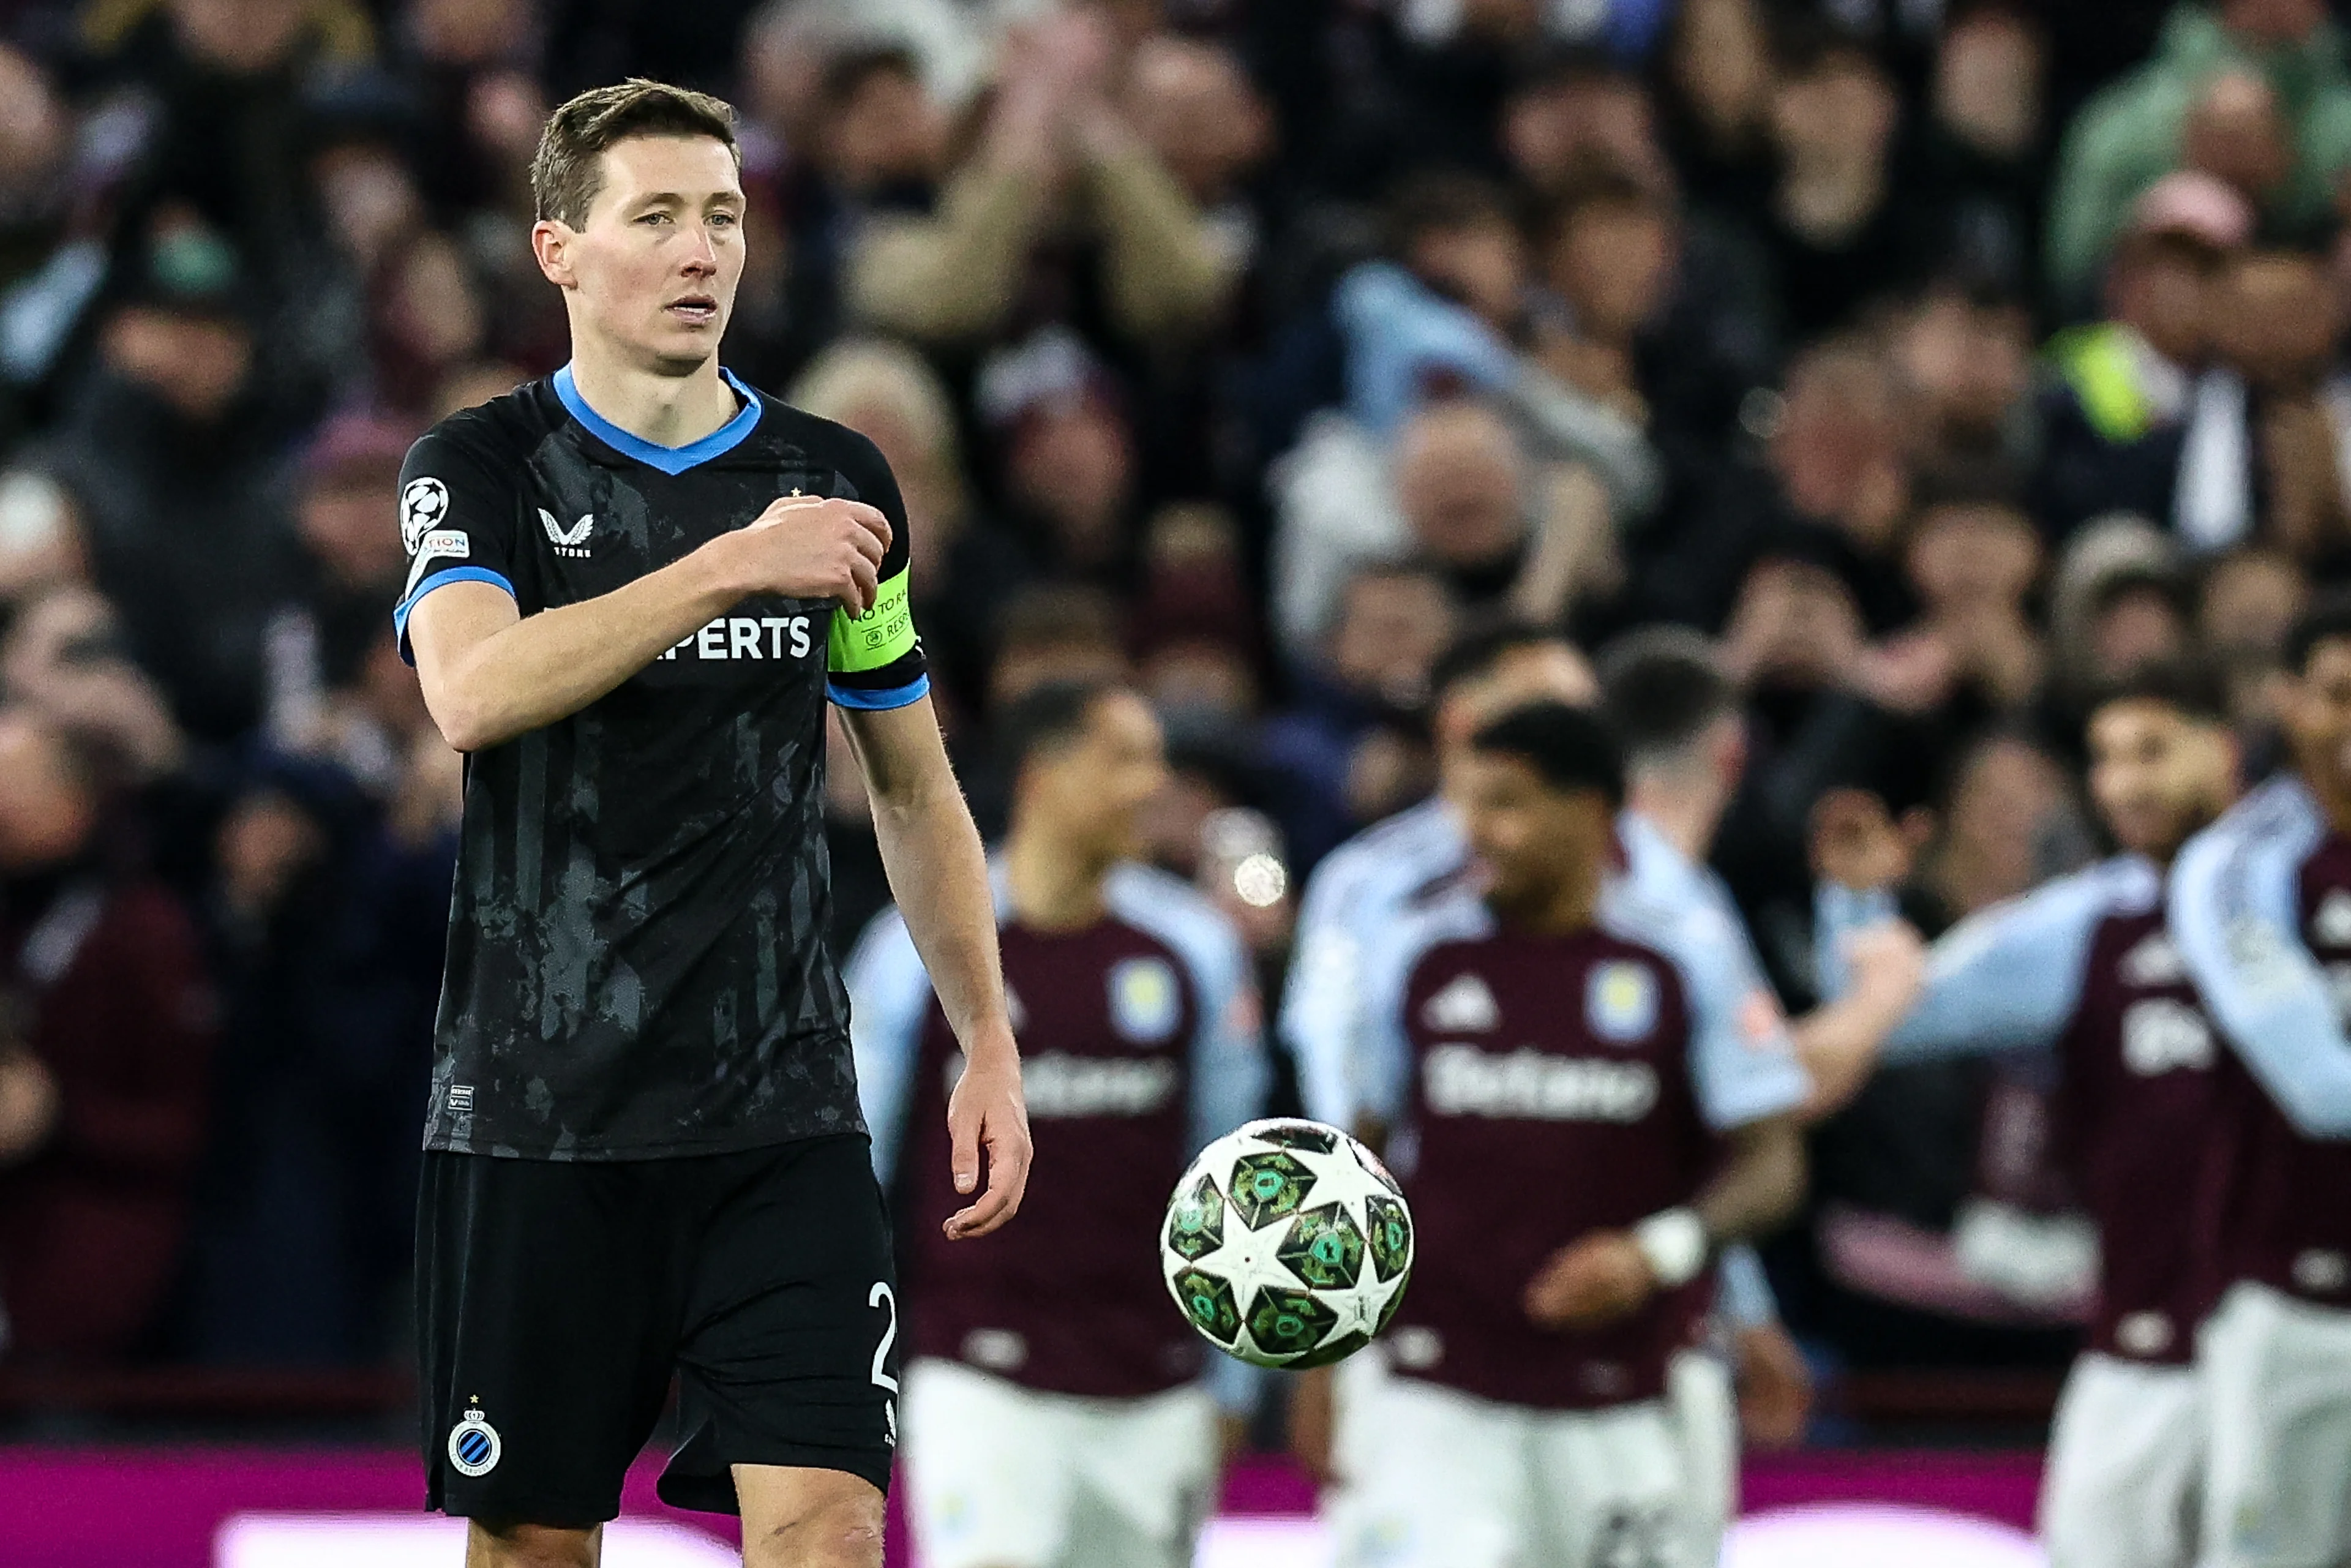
1463,1006
2154,962
2332,925
572,542
2159,1034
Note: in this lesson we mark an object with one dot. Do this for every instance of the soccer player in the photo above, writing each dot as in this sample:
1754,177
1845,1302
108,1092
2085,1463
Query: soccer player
2082,968
2260,905
1056,1414
634,588
1577,1133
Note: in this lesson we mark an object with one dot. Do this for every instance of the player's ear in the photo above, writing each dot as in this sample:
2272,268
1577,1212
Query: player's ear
551,242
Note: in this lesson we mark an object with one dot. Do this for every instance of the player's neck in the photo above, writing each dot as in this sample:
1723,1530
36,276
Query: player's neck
668,411
1053,888
1567,910
1685,814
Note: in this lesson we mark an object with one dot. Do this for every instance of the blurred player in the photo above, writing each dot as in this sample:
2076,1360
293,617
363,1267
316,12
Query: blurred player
2260,905
2083,968
1677,716
1055,1412
1576,1138
632,588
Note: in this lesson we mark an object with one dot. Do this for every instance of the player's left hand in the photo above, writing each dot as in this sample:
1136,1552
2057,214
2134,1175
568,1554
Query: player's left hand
1591,1282
986,1112
1775,1387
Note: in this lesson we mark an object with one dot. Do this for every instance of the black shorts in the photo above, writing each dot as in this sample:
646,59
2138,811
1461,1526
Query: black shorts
555,1299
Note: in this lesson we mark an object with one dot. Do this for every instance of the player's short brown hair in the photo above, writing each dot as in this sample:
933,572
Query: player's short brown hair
563,173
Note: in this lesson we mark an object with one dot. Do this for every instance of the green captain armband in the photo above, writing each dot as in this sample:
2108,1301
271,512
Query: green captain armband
875,659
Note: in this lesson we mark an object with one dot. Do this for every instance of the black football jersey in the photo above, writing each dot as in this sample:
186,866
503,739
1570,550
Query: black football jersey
637,964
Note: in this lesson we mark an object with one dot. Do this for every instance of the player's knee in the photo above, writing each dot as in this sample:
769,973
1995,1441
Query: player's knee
529,1546
836,1529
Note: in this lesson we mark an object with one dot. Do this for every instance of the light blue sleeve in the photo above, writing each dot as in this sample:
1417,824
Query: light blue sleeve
1229,1071
1743,1064
889,993
1379,1064
1396,331
1742,1291
2009,978
1322,999
2233,913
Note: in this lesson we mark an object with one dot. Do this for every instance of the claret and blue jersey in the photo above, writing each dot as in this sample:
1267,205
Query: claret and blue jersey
2260,907
1141,1042
2084,968
637,964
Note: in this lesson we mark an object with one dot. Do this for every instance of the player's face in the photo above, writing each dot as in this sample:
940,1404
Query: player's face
654,270
2157,774
1099,787
1531,839
2317,710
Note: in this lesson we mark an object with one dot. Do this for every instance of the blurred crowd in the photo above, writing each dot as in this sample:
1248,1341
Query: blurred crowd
1944,359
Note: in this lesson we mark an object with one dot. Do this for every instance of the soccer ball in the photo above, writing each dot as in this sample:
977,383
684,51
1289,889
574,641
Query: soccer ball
1286,1244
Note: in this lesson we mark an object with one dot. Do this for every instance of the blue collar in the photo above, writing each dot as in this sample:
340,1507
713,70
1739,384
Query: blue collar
668,459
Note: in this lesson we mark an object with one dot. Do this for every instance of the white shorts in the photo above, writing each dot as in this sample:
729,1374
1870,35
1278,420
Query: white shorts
1433,1478
2125,1463
1003,1477
1703,1398
2277,1392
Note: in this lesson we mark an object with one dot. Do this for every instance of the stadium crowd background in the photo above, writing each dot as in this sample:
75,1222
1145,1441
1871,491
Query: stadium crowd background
1944,358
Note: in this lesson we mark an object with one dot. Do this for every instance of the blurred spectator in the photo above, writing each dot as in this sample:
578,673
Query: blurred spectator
176,482
2118,604
1963,359
962,568
2114,415
1839,240
1358,707
2248,600
1053,135
1068,451
1718,114
107,992
65,660
1459,494
1574,114
1982,146
2254,91
327,927
1972,558
1667,319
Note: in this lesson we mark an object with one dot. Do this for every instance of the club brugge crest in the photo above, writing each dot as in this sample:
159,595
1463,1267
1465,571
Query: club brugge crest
1143,1001
1620,1001
474,1445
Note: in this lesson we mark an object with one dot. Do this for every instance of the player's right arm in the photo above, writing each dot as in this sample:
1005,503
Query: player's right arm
2006,978
2233,913
490,672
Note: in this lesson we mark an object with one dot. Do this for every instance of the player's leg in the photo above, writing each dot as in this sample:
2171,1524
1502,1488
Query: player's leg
1703,1400
1613,1493
2277,1383
788,1357
800,1516
546,1314
1433,1479
988,1469
1147,1473
2126,1459
532,1546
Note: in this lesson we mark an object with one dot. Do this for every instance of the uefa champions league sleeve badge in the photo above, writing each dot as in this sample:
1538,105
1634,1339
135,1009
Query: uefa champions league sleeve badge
474,1445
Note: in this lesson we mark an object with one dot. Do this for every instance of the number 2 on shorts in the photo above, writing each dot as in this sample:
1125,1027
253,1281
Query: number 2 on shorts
883,1296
